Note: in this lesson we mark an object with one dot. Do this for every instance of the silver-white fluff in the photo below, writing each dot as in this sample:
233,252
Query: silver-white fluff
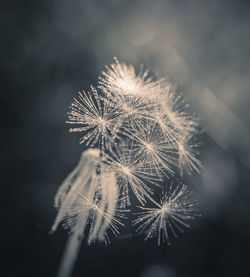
139,134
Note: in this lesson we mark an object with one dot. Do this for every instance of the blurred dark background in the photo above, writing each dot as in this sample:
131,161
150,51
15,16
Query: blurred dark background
52,49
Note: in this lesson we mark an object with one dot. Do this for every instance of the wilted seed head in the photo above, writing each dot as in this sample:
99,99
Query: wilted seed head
96,205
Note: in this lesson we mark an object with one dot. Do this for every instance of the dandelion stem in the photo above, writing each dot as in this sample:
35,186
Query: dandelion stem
70,254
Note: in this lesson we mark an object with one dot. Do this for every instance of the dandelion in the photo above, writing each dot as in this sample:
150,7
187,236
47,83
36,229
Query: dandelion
177,205
139,131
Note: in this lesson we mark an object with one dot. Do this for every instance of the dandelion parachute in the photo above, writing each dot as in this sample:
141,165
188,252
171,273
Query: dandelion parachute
177,206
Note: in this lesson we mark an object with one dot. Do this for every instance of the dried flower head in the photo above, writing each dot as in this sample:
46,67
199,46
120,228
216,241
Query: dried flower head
140,132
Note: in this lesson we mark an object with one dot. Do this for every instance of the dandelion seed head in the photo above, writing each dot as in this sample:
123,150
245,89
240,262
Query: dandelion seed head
140,132
143,132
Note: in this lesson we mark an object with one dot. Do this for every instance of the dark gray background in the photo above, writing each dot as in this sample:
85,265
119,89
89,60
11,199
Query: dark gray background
52,49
